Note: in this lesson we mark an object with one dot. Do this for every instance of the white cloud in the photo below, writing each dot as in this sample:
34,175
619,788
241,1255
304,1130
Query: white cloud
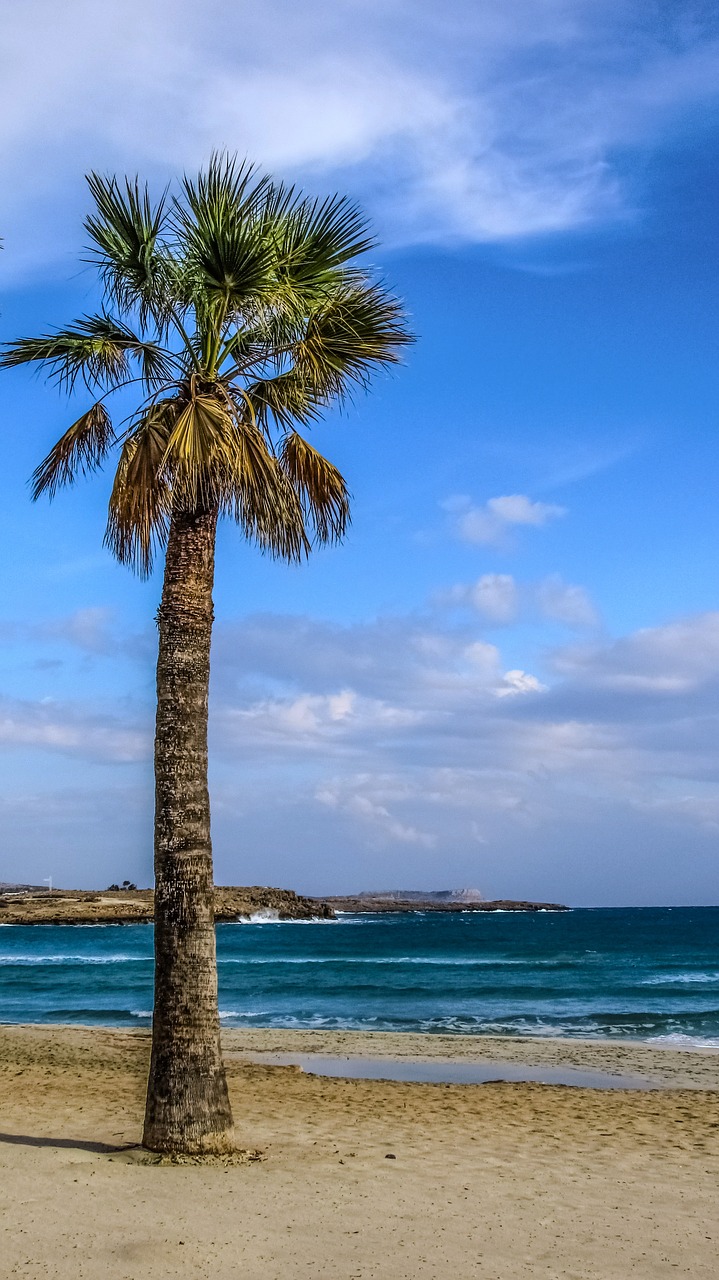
480,122
484,660
73,729
496,597
677,658
352,799
310,721
562,602
500,600
491,524
516,681
624,730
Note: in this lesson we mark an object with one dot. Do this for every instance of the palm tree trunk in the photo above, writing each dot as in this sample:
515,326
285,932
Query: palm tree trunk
188,1108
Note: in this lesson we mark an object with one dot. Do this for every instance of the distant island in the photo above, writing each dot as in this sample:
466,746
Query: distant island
455,900
29,904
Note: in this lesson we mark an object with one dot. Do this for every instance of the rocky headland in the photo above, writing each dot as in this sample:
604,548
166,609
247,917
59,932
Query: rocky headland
136,906
30,905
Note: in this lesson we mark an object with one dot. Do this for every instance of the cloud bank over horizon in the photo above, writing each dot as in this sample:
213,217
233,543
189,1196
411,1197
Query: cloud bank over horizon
476,123
405,737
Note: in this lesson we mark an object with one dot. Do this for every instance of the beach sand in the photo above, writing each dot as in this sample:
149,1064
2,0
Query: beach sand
494,1181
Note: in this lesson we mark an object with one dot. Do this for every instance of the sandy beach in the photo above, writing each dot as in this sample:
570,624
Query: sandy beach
496,1180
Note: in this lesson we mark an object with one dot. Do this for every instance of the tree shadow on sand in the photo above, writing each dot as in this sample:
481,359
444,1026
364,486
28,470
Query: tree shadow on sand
74,1144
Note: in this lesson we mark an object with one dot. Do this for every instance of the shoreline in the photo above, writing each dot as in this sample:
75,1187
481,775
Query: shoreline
661,1066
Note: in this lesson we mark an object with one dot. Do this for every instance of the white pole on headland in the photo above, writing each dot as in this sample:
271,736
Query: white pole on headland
48,882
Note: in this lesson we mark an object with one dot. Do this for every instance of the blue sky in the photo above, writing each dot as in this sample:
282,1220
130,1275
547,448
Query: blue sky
508,676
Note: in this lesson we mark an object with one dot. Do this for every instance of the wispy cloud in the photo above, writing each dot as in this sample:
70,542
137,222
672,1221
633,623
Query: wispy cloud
496,597
105,736
565,602
501,600
480,122
617,733
492,523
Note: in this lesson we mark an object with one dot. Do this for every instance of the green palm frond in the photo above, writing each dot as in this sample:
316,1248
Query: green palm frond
358,328
126,234
141,499
284,400
221,236
81,450
315,240
322,489
96,349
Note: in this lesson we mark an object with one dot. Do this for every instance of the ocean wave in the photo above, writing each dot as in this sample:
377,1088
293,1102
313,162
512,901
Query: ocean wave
268,915
224,1013
666,979
467,962
680,1041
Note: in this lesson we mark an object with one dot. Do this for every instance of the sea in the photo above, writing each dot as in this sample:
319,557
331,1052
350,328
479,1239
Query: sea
636,973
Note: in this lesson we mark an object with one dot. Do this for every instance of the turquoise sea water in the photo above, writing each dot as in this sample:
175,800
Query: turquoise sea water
637,973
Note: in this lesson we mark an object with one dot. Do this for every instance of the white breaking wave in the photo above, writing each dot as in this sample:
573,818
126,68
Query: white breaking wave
269,915
665,979
679,1041
244,1013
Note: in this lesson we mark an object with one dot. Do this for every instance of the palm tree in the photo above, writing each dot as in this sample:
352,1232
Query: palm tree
237,312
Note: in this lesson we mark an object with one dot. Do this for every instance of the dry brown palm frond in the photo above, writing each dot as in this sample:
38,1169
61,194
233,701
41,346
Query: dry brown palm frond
81,450
322,489
141,499
263,500
202,451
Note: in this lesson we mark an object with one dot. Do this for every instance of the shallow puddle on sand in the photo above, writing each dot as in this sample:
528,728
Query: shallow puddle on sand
437,1071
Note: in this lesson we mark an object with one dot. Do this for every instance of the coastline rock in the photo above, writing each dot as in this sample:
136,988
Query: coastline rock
77,906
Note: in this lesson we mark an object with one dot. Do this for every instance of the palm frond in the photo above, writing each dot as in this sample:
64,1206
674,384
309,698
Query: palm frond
357,329
315,241
321,488
218,456
202,451
141,499
80,450
97,349
284,400
220,235
263,499
126,232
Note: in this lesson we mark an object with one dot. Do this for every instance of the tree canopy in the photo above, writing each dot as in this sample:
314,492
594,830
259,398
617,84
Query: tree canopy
238,310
